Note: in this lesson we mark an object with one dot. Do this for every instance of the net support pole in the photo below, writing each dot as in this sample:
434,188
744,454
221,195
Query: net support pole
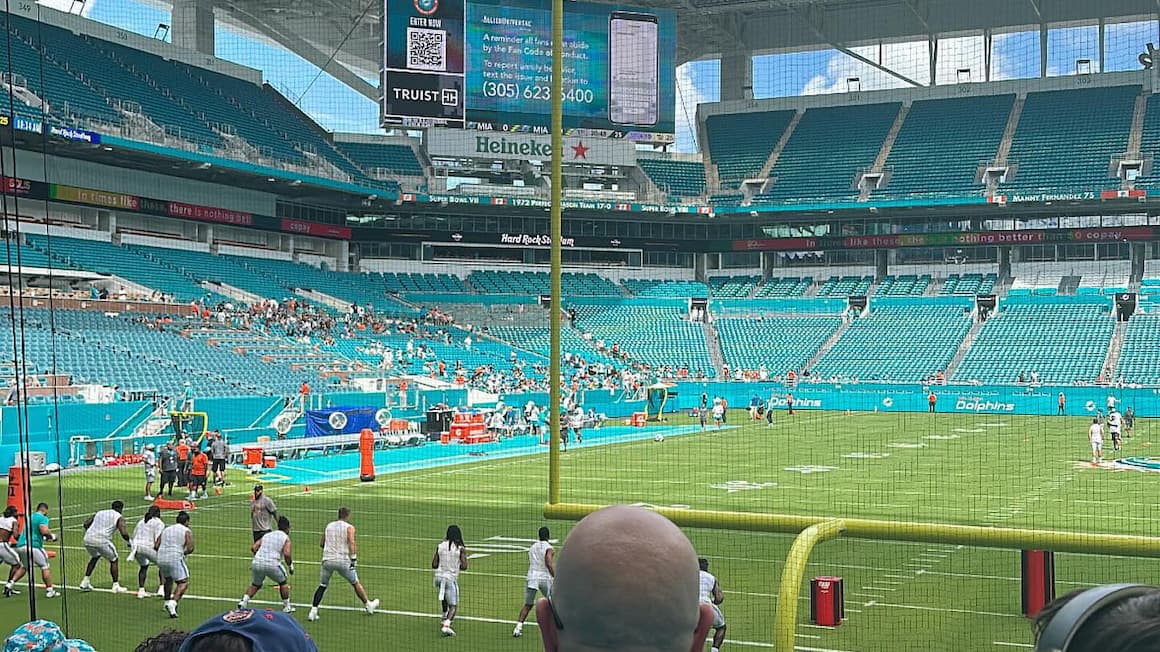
556,232
785,621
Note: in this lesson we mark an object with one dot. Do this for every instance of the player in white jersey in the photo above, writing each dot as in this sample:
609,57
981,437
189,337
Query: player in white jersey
98,542
8,526
450,558
711,594
141,550
541,571
1096,439
269,552
339,555
174,543
1115,421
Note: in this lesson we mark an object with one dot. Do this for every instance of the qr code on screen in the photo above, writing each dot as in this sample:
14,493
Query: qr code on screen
426,49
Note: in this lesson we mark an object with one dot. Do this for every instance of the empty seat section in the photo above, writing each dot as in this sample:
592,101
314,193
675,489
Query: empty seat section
941,144
897,343
666,289
656,336
845,286
826,150
1140,355
1064,343
392,157
740,143
734,287
777,343
785,286
675,178
1065,140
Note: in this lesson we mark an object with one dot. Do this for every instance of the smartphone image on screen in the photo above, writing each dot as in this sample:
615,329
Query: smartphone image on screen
633,73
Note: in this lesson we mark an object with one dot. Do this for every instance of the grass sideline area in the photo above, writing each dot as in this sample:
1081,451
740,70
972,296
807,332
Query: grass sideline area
999,470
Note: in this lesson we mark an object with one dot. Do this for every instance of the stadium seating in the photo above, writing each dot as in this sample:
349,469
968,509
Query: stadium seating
969,284
107,258
66,94
666,289
537,283
786,286
399,159
1140,355
1066,139
732,287
897,343
656,336
828,147
121,73
777,343
902,286
401,283
1063,342
675,178
204,266
741,143
941,143
845,286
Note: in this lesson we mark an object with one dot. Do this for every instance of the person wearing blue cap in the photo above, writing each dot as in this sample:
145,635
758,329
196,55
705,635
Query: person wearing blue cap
249,630
43,636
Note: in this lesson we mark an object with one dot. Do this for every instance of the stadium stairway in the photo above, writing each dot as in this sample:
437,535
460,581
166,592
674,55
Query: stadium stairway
1115,347
968,341
713,342
828,344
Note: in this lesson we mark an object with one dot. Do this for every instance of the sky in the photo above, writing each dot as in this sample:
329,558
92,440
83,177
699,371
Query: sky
1014,56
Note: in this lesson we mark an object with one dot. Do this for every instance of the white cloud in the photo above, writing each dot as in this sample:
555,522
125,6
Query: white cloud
911,60
70,6
690,79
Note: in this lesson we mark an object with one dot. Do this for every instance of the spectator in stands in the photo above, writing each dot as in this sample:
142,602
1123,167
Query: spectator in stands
1114,618
43,636
249,630
303,396
596,605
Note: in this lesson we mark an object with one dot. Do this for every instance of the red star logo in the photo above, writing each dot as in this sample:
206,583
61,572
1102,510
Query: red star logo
579,150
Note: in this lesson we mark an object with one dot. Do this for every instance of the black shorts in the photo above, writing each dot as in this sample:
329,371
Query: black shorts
218,465
168,477
197,481
258,534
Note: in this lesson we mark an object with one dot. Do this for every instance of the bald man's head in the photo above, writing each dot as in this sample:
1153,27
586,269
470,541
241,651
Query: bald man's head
627,579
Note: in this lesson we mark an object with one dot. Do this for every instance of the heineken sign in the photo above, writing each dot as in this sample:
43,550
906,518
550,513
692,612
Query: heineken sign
492,145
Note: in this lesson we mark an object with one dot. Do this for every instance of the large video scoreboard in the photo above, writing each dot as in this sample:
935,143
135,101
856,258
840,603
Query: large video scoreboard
487,64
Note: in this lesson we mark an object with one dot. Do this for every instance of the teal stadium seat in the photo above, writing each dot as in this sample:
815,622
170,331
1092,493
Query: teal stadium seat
897,343
1066,139
740,143
941,143
845,286
666,289
821,160
656,336
785,286
778,343
675,178
399,159
732,287
969,284
1140,355
1064,343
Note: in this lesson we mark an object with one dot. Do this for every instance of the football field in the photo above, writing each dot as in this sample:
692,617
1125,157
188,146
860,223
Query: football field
989,470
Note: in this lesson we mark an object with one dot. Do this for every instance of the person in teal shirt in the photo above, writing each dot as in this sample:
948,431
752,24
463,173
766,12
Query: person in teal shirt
31,549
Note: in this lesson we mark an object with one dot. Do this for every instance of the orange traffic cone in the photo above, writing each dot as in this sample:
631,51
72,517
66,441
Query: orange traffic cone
306,489
217,491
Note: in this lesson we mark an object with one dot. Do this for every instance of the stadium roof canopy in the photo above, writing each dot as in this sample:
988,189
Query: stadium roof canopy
349,33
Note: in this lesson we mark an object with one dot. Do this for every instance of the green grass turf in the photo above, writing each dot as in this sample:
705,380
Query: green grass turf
983,470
